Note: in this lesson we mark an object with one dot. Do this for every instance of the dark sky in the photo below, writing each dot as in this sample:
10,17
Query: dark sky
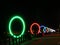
44,16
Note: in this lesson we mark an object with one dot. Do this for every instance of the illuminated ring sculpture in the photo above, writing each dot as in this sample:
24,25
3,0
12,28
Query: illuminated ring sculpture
47,29
32,26
44,30
23,23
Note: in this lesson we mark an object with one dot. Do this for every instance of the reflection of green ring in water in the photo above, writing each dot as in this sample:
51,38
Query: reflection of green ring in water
23,30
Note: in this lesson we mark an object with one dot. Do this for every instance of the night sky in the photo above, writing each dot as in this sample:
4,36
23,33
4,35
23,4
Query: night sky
44,16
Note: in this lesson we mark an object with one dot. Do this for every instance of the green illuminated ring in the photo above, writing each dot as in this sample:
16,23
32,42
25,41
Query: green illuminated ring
23,30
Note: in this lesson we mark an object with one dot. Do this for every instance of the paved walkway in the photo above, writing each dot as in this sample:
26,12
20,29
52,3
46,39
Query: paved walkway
55,40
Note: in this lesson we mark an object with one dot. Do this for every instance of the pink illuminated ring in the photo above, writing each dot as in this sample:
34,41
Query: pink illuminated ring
32,26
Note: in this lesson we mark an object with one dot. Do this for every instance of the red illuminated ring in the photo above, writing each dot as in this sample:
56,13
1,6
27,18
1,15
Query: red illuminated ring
32,26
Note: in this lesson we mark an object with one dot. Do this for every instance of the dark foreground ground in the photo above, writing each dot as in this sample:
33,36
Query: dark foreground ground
47,39
50,39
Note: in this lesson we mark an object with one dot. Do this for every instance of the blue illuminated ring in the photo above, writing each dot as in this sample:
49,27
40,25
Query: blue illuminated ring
44,30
